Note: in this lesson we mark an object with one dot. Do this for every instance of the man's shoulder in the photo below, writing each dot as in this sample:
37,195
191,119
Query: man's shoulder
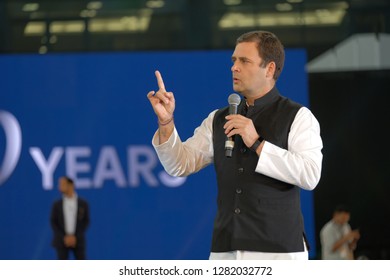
58,201
327,227
81,199
289,102
223,110
56,205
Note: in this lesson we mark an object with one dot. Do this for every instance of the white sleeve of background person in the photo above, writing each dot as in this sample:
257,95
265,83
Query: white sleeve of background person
301,164
184,158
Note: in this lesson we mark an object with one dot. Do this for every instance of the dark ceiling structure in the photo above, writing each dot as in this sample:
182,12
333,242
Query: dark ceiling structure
43,26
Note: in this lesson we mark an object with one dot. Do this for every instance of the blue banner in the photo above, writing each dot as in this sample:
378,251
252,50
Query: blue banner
87,115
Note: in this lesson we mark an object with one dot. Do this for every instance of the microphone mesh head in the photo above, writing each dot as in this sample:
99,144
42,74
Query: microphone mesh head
234,99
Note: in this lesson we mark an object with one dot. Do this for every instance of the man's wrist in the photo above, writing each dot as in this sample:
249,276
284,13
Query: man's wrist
256,144
165,122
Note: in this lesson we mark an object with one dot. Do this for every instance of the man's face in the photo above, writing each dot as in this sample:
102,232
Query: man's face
63,185
343,217
249,78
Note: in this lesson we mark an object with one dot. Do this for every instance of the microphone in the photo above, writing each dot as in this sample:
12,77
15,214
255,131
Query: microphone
234,99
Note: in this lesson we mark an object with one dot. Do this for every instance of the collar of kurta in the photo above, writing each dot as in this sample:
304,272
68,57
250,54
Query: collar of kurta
259,103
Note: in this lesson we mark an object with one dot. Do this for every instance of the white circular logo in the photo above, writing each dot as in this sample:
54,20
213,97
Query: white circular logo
13,144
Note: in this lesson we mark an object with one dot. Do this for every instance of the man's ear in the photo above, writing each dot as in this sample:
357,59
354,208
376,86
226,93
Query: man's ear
271,68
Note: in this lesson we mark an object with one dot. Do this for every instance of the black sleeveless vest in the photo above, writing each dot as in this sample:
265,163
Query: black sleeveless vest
256,212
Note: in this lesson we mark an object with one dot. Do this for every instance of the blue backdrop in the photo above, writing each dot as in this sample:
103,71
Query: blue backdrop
87,115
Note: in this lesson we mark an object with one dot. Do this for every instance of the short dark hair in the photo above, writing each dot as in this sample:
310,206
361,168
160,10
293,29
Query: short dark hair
341,208
269,47
68,180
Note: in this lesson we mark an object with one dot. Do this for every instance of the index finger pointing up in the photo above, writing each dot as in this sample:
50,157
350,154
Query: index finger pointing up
160,81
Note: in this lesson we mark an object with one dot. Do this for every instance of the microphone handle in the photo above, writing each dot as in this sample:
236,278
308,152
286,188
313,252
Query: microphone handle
229,143
233,109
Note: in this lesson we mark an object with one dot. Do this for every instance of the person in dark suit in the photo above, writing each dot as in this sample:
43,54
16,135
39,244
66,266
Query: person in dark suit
69,220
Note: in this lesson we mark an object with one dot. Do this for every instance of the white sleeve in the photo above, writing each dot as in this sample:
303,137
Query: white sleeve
184,158
301,163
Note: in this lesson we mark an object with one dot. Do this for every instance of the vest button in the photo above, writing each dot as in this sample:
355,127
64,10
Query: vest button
237,211
240,170
238,190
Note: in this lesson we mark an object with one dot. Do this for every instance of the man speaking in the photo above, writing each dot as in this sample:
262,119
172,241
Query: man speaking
276,152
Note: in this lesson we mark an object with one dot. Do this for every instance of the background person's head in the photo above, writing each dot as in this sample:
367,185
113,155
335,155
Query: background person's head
66,186
341,214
